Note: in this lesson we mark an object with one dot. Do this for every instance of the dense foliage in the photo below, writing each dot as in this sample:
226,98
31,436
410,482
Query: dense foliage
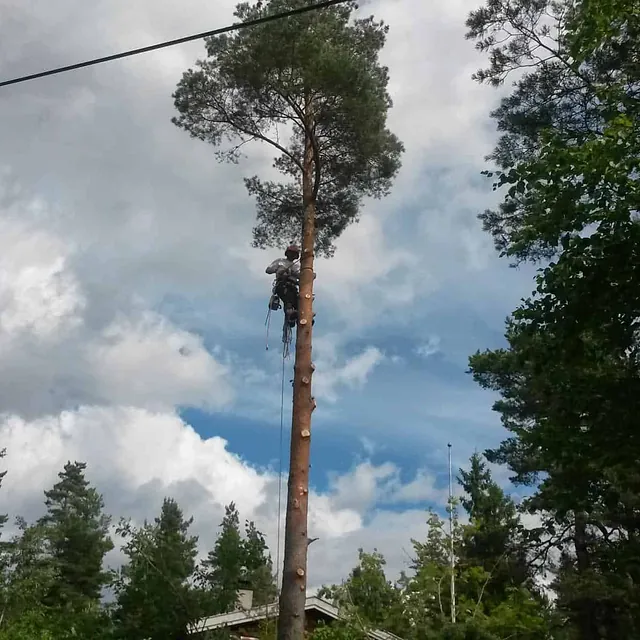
54,582
313,89
54,587
567,166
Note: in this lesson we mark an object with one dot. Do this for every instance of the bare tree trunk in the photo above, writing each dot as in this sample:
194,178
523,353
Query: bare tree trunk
291,620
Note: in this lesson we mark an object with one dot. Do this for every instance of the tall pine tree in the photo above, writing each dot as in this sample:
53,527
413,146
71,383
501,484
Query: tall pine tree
237,562
258,575
222,569
77,531
492,540
155,599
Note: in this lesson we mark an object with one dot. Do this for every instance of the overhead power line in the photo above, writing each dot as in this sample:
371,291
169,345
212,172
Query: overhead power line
170,43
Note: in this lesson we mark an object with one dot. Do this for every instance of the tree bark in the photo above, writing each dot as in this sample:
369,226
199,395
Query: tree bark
587,614
291,619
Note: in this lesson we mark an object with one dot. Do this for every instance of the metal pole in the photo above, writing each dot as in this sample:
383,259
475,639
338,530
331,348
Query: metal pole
451,550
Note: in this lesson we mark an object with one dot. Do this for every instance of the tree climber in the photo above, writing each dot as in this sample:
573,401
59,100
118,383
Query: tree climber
285,288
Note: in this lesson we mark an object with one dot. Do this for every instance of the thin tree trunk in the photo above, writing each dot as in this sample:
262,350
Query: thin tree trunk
291,621
587,614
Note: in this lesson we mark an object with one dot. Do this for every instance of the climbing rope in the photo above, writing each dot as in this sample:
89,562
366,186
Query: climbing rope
287,338
267,324
280,469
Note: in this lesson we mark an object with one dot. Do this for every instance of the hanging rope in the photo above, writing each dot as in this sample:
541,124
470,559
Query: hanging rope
280,472
287,338
267,324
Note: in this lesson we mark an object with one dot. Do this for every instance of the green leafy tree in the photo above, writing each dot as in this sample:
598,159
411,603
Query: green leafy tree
316,75
494,570
347,629
28,578
366,595
426,593
569,379
155,599
573,89
491,603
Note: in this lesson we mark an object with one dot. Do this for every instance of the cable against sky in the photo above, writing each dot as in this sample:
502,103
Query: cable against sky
171,43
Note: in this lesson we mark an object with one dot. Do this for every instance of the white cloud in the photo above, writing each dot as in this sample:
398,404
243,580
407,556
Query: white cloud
38,294
365,268
57,353
367,485
429,348
136,457
421,489
333,372
369,446
151,363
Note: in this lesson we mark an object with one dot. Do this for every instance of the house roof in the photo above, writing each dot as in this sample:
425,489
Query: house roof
255,614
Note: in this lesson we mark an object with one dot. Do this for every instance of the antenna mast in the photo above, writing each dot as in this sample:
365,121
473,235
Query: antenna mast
452,558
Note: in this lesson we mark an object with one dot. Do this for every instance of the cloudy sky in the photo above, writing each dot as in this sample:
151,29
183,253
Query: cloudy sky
132,307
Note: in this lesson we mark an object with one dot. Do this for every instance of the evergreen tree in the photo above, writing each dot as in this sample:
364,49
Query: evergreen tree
493,538
222,570
77,533
258,566
31,577
238,563
155,599
317,77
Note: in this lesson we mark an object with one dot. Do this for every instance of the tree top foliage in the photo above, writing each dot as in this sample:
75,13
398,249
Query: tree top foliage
570,121
312,78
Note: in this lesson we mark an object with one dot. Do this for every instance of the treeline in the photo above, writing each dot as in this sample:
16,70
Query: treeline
498,592
54,583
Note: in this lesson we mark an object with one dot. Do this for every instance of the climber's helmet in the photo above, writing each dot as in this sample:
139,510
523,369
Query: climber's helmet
292,252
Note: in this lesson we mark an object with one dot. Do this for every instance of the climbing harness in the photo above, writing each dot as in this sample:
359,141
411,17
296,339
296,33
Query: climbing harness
276,302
